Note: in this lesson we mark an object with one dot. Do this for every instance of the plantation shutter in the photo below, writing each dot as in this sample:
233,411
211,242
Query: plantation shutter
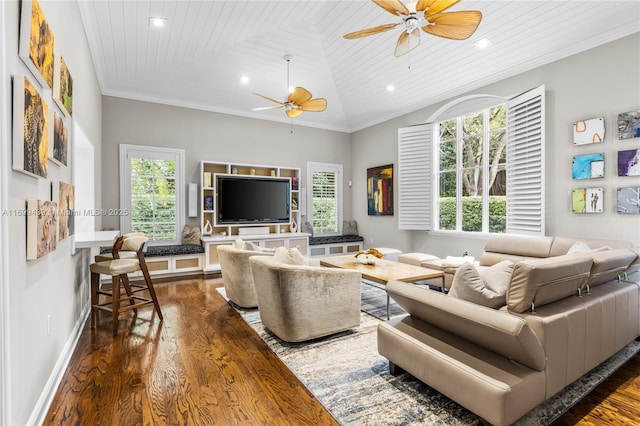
525,163
324,198
415,177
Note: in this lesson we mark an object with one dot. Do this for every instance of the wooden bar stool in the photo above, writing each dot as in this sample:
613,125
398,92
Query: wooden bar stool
118,269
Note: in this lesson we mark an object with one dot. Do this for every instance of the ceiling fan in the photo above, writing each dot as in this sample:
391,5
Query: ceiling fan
428,15
298,101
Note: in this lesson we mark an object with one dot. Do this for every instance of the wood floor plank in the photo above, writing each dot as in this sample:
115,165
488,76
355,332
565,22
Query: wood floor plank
205,366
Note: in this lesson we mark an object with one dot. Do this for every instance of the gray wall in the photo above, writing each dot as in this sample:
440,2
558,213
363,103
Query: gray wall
212,137
56,284
601,82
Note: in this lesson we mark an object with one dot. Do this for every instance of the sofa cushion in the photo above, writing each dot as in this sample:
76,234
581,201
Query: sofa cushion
492,329
541,281
608,265
514,248
635,265
561,245
487,287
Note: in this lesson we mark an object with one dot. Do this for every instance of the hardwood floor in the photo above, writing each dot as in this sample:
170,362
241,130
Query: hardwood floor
204,366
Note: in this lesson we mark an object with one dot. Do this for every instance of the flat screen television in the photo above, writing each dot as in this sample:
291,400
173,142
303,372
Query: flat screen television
252,199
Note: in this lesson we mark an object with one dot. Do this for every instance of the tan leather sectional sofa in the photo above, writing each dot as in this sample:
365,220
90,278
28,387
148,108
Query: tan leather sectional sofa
564,315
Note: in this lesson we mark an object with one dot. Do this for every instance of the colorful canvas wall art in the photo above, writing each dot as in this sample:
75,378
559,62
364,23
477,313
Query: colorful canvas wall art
588,166
629,162
31,132
36,42
629,125
587,200
42,228
59,149
380,190
62,86
66,210
629,200
588,131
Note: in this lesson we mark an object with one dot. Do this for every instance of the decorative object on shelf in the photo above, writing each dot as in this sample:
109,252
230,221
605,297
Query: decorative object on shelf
273,172
31,129
294,204
629,125
42,227
208,229
294,225
587,132
252,172
587,200
629,200
58,150
62,86
66,209
36,43
629,162
368,257
208,202
206,180
380,190
234,171
588,166
294,183
428,15
298,101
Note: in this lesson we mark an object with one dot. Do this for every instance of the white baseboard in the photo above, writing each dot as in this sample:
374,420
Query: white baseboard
41,408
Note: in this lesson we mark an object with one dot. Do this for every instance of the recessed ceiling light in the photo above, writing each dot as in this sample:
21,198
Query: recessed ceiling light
158,22
391,88
244,79
483,43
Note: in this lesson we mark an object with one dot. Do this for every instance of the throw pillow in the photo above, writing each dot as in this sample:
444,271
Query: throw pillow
239,244
248,245
580,247
307,228
349,227
468,284
190,235
291,256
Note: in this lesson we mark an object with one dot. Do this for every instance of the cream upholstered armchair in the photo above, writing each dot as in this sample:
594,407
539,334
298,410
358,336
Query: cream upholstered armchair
236,274
298,302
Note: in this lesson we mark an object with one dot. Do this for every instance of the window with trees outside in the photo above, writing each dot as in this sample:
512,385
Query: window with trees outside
151,183
472,178
324,197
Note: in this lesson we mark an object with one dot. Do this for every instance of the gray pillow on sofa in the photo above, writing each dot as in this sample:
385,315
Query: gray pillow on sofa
487,287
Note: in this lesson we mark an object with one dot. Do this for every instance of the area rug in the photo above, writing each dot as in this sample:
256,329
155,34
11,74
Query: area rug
348,376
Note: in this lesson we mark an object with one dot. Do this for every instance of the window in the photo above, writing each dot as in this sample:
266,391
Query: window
471,156
325,197
484,155
151,195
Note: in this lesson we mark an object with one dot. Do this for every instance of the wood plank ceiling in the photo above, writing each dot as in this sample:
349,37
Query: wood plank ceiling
197,59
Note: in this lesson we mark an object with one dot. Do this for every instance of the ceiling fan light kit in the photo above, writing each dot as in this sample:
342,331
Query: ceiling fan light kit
428,15
298,101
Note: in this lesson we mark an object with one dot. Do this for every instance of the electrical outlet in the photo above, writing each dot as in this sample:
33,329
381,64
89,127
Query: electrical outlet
49,325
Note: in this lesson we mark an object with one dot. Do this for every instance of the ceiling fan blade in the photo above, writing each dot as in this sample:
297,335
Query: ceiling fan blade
393,6
433,7
293,113
454,25
314,105
371,31
271,107
268,98
299,95
407,42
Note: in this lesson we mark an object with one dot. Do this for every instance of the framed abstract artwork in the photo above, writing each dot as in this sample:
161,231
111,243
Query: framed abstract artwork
629,125
380,190
588,166
59,149
587,200
62,86
588,131
36,42
31,129
66,209
629,200
42,227
629,162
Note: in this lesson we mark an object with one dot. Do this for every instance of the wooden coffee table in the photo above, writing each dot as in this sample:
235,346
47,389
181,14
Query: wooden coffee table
383,271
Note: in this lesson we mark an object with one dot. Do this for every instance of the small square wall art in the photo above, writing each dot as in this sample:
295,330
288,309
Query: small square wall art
588,166
629,200
59,149
629,125
586,200
629,162
588,131
42,227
